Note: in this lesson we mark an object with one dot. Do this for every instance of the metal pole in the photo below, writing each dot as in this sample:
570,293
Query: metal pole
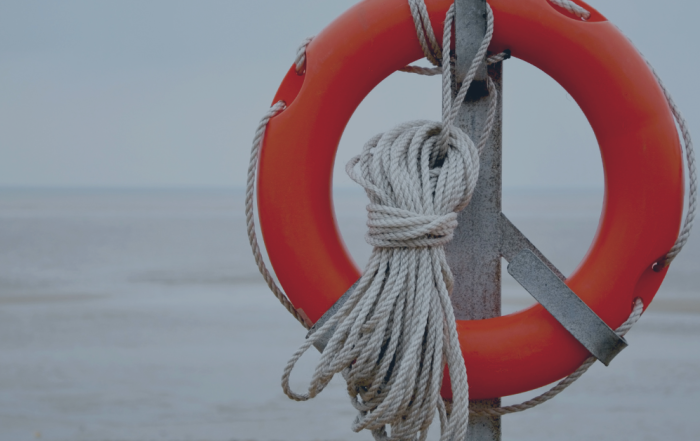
474,253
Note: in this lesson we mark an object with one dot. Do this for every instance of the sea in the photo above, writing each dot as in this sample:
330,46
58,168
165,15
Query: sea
139,314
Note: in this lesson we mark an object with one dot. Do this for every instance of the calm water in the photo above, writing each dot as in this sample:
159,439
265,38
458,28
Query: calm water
139,315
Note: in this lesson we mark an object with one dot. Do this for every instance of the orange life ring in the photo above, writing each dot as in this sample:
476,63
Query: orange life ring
596,65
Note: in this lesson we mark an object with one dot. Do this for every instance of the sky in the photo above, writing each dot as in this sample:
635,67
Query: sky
168,93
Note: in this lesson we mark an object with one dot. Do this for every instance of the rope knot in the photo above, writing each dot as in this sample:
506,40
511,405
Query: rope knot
416,183
391,227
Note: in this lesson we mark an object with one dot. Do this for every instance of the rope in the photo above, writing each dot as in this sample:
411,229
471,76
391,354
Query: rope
572,7
637,310
692,174
432,71
250,213
300,60
397,330
425,33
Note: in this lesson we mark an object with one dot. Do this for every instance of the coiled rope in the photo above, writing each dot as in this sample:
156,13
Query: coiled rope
418,176
397,329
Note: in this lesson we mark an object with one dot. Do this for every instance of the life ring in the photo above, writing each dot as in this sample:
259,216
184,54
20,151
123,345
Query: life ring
597,66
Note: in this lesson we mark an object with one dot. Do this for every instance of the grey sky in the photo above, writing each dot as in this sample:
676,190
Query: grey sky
167,93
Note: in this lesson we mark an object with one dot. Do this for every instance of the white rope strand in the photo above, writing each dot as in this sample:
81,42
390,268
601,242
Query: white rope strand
250,212
427,71
425,33
432,71
572,7
497,58
692,173
300,60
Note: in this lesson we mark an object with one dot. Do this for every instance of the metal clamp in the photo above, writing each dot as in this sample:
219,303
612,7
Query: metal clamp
569,310
323,340
546,284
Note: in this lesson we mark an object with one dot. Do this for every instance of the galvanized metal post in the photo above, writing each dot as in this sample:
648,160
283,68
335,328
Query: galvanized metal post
474,253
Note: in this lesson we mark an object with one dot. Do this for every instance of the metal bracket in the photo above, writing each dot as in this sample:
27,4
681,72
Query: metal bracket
569,310
545,283
531,269
323,340
513,242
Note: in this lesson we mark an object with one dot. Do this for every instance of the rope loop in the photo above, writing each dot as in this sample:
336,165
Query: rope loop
250,213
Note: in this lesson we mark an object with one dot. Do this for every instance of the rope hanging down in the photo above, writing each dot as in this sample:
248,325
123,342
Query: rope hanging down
401,168
250,213
396,331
